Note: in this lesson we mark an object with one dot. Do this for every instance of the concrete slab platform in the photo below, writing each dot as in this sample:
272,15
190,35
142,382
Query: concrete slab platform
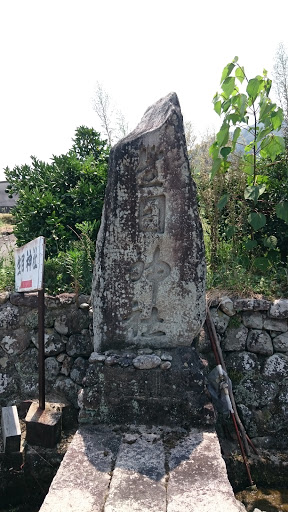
197,476
139,476
135,469
83,479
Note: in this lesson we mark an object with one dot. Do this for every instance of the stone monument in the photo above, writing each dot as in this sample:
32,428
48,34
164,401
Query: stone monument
149,279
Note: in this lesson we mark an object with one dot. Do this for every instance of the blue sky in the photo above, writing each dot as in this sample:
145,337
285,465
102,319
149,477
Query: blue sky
53,53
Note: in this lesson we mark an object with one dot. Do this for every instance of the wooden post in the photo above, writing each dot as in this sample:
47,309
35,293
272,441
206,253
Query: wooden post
41,349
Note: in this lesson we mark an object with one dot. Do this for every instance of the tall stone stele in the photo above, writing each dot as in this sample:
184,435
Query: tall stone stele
149,279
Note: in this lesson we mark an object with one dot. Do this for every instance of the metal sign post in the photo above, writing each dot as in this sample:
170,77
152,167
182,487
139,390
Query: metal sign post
29,273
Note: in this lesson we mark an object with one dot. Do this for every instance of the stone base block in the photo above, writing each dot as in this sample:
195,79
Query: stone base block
43,428
123,393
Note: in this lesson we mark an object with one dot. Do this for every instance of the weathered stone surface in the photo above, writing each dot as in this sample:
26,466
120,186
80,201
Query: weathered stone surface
235,338
53,343
166,357
31,319
259,342
83,480
146,362
280,342
276,367
255,392
166,365
203,342
174,395
242,362
79,370
67,363
251,305
138,481
73,321
198,478
156,470
52,368
275,324
226,305
279,309
68,388
8,386
8,316
253,320
149,277
97,358
79,345
220,320
16,341
60,324
24,299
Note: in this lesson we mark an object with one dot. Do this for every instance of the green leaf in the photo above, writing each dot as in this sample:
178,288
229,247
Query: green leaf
282,211
225,152
226,105
239,73
252,193
217,107
228,85
230,231
270,242
214,150
263,133
235,118
261,263
236,134
274,147
215,168
253,87
222,202
226,71
249,165
243,105
250,245
223,135
257,220
277,118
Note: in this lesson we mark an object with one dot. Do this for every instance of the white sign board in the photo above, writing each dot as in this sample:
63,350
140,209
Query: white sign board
29,266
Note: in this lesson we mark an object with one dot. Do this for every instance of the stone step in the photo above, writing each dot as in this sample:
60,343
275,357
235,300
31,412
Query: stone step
142,469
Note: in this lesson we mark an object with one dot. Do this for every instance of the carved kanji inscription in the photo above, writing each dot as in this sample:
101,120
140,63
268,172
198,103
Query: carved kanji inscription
152,214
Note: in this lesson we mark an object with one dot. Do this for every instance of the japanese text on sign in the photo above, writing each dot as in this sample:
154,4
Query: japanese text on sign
29,264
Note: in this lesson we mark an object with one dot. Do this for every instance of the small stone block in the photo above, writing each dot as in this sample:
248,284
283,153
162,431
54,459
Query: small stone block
43,428
11,431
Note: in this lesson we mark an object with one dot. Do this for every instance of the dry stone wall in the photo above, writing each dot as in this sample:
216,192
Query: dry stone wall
68,345
253,336
254,339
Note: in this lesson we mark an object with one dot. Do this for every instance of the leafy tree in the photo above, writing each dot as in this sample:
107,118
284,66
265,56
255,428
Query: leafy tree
54,197
253,111
281,81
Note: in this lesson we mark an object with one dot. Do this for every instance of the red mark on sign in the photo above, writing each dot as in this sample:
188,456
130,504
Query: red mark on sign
26,284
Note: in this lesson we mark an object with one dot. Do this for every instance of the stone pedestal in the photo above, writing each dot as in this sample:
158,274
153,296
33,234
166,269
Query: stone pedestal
162,388
43,428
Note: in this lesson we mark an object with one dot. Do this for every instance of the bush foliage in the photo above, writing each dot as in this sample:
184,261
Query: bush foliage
62,201
54,197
